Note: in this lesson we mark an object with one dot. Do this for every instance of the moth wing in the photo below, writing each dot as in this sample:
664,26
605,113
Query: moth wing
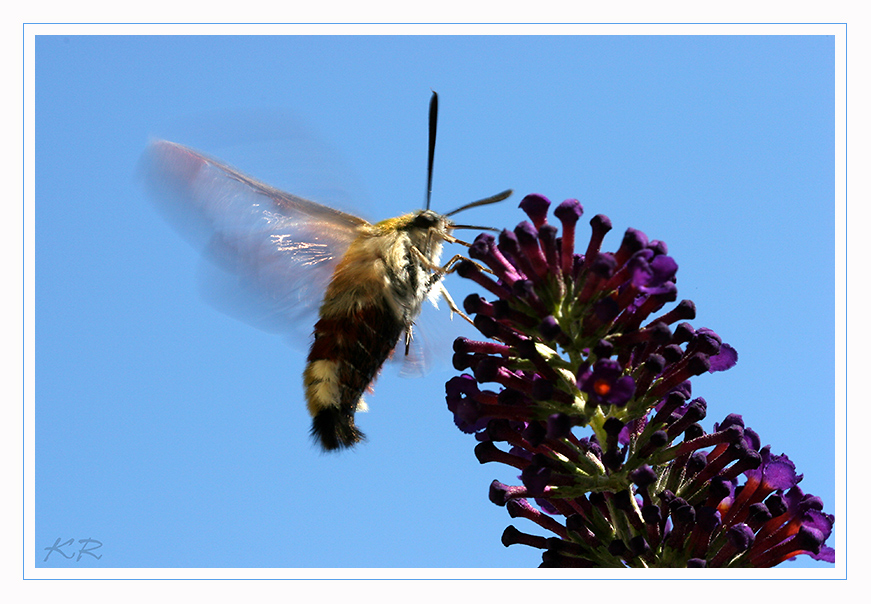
271,254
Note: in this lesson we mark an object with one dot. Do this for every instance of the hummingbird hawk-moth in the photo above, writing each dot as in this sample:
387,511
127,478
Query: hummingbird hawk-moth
370,279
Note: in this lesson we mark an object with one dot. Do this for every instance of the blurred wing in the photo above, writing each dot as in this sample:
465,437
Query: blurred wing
272,254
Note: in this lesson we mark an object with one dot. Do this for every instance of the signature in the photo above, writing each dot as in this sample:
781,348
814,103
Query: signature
87,548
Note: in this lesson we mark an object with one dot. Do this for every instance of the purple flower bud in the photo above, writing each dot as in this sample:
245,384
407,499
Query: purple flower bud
603,349
638,545
682,512
693,431
643,476
733,419
740,536
480,248
535,478
708,518
549,328
534,433
612,427
671,353
663,269
542,389
684,332
617,548
720,488
613,459
633,241
706,341
685,310
651,514
488,370
759,514
568,212
604,265
622,500
547,236
508,242
473,304
461,401
529,251
511,536
500,493
696,463
659,247
559,425
536,207
655,363
601,225
698,364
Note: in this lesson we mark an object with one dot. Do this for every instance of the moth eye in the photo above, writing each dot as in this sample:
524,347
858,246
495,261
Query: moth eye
424,220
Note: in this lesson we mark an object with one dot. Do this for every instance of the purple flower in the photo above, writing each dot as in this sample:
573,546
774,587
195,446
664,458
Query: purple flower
606,385
582,342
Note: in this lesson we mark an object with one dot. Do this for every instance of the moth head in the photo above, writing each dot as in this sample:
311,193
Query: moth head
427,230
426,220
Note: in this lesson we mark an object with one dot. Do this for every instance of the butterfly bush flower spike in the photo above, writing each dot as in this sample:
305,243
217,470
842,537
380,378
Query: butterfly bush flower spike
582,383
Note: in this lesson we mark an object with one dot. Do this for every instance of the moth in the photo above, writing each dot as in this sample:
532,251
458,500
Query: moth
283,253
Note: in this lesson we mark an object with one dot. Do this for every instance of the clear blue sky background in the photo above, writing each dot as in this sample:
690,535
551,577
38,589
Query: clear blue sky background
178,436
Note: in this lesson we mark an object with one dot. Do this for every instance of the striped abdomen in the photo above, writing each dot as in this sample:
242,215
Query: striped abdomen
344,359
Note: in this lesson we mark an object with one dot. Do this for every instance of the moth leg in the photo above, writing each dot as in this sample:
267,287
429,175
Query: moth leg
443,291
450,265
409,336
438,274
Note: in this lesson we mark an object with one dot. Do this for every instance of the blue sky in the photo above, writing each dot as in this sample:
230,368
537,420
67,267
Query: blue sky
178,437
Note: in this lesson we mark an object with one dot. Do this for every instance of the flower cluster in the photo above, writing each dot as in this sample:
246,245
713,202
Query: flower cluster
580,341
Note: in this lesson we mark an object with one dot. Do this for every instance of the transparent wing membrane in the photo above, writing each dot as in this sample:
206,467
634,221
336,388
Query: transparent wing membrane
271,254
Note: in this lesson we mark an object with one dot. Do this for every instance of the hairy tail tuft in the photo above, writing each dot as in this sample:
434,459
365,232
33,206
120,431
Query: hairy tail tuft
334,429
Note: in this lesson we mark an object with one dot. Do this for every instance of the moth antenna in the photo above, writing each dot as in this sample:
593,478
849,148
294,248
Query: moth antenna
474,227
433,122
483,202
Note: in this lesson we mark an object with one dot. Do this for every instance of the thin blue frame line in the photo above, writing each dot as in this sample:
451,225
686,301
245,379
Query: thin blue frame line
846,261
